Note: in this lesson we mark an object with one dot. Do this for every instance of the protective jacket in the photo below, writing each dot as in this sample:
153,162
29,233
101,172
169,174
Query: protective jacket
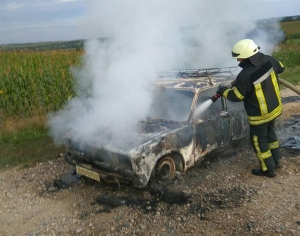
257,85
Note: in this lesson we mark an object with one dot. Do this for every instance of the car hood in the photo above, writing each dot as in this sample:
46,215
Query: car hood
147,131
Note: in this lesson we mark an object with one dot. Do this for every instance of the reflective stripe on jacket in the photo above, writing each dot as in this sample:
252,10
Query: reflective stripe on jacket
258,87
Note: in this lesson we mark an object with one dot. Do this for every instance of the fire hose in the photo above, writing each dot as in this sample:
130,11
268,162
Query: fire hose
281,81
289,85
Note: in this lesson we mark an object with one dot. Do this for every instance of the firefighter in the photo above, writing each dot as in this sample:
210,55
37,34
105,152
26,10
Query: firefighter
257,86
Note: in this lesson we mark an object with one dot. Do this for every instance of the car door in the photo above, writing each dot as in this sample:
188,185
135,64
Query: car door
238,116
213,127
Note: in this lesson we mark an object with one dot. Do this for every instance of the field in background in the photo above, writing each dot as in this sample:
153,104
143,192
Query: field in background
31,85
291,29
35,83
289,55
45,46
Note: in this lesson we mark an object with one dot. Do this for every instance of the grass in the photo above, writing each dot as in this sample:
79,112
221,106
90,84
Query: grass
25,142
289,55
293,41
291,75
26,147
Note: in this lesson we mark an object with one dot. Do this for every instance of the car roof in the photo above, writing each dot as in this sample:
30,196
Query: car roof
199,79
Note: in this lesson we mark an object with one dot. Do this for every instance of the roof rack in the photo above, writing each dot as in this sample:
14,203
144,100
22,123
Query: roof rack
195,73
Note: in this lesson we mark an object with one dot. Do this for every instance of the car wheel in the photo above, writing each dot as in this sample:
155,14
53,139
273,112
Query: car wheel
165,170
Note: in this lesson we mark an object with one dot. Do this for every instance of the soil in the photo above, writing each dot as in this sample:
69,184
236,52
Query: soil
221,197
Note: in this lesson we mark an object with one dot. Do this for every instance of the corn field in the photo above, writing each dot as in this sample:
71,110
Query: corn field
34,83
288,54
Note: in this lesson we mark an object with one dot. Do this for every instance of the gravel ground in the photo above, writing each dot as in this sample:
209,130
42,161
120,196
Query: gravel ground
220,198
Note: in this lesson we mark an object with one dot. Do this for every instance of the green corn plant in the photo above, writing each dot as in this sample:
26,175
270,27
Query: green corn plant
36,82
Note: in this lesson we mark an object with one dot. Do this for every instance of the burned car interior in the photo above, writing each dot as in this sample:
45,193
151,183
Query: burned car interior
171,139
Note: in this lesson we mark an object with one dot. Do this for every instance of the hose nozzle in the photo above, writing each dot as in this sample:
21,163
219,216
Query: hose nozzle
215,97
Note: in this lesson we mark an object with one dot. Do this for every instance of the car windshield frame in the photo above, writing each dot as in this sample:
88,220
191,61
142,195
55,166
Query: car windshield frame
204,95
172,104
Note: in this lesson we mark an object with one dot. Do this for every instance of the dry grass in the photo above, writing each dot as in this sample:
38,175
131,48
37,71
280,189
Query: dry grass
12,125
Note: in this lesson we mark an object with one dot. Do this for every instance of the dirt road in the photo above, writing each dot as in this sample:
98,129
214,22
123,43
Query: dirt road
220,198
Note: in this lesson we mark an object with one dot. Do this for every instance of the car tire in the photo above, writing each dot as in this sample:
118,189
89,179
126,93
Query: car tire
165,170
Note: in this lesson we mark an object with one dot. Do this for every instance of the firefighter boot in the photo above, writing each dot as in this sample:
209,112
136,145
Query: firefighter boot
268,164
276,156
259,172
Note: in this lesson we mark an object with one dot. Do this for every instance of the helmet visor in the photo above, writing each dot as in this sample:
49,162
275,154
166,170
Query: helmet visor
235,55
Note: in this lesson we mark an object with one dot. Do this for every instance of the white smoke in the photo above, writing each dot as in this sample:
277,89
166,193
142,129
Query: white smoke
115,86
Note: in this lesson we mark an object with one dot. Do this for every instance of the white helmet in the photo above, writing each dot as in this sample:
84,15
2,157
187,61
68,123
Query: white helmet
244,49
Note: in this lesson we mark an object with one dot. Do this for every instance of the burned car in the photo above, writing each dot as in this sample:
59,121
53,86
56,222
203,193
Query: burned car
175,137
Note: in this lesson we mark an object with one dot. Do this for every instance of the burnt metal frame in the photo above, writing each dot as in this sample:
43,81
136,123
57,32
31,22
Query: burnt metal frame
193,105
195,73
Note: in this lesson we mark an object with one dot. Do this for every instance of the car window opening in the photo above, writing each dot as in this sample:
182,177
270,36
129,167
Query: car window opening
203,97
170,104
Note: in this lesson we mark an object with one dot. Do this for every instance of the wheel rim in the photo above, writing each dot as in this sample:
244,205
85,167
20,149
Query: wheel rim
165,170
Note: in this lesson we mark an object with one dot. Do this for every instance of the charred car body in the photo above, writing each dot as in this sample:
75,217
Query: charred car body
176,139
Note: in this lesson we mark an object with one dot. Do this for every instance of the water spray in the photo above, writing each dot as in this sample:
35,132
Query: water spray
202,107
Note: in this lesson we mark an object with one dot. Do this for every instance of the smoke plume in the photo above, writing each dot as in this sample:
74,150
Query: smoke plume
128,41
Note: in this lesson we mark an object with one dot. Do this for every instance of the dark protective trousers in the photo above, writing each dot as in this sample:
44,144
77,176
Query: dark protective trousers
265,144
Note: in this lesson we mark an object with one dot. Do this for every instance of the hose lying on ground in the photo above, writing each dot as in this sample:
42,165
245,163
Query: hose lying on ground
289,85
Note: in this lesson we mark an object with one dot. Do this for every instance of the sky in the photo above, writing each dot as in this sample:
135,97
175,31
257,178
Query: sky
25,21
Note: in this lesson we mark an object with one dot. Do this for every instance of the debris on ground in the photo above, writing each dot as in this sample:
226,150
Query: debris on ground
292,142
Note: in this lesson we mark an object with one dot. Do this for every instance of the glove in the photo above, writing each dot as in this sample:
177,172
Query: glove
223,87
